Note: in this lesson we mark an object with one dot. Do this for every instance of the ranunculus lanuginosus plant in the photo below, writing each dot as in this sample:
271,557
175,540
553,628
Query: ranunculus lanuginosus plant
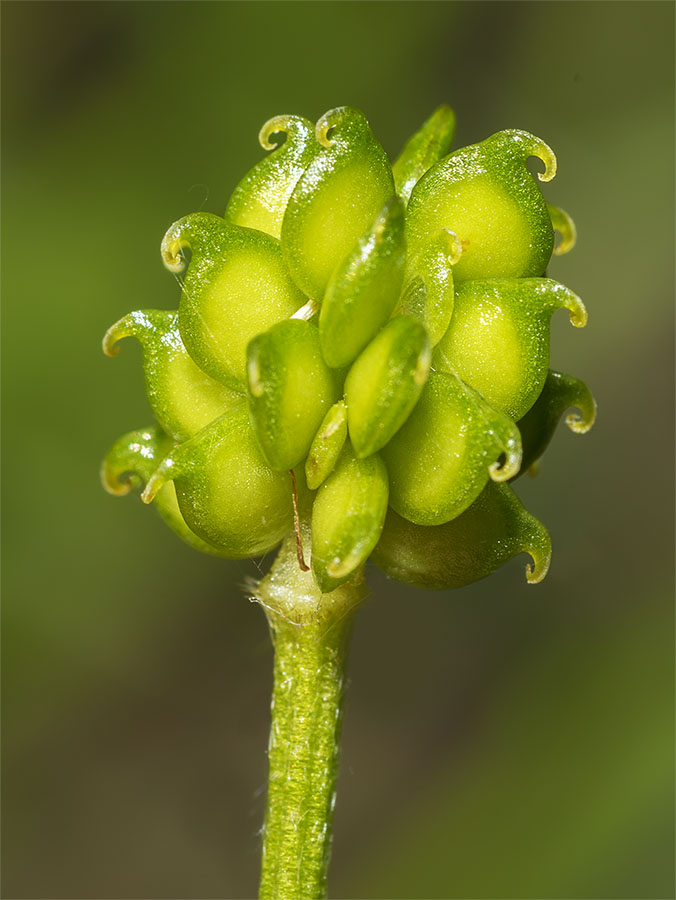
358,369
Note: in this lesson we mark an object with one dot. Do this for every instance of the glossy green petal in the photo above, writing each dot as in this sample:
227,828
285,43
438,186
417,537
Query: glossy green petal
564,226
335,200
492,530
259,200
130,463
498,341
426,147
365,287
560,392
183,398
236,286
441,458
290,390
227,493
486,195
429,293
347,518
327,446
384,384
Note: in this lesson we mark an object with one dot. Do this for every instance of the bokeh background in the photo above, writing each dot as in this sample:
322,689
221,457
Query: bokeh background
501,741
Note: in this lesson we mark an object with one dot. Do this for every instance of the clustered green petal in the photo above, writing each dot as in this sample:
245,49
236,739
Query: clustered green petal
360,355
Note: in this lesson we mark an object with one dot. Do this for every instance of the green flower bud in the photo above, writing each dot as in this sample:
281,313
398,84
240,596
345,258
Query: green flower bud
335,200
429,293
130,463
326,446
235,287
498,341
486,195
290,390
364,288
227,493
183,398
492,530
539,424
259,200
347,518
385,382
441,458
423,149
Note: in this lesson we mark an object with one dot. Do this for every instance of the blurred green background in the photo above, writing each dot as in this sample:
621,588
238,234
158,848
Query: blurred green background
503,741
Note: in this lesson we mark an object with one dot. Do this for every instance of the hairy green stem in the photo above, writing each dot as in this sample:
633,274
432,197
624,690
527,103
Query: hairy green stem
310,633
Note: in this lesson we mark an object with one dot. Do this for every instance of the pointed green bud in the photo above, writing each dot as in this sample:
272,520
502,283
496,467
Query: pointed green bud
326,446
498,341
564,226
236,286
426,147
183,398
486,195
429,294
347,518
259,200
227,493
441,458
335,200
364,289
290,390
492,530
384,384
539,424
130,463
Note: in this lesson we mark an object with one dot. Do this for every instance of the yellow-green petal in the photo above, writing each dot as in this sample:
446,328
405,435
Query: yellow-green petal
423,149
336,199
290,390
486,195
236,286
227,493
492,530
498,340
441,458
183,398
384,384
347,518
259,200
364,288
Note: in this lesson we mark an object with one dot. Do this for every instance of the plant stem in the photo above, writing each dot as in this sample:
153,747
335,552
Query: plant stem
310,632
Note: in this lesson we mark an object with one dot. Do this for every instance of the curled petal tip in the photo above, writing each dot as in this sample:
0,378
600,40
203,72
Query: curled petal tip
116,483
503,470
172,256
546,154
124,327
577,311
540,550
277,125
581,422
565,226
323,126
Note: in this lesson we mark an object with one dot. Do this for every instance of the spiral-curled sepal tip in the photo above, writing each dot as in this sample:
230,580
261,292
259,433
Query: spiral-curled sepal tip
564,225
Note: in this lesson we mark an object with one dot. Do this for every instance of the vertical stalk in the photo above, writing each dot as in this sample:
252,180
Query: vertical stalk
307,708
310,633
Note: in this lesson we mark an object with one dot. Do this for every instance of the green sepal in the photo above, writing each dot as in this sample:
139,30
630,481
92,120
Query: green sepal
130,463
227,493
290,390
486,195
183,398
364,288
429,293
385,382
336,199
236,286
498,340
560,392
563,224
441,458
326,446
259,200
423,149
347,518
492,530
